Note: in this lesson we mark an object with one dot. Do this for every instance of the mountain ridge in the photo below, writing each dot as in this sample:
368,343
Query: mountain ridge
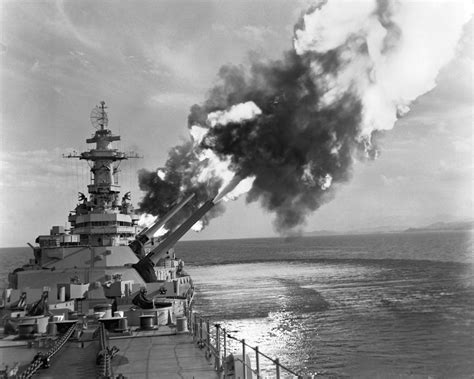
436,226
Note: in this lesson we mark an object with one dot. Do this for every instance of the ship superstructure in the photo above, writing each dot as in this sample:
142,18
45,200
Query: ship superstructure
103,256
104,281
104,219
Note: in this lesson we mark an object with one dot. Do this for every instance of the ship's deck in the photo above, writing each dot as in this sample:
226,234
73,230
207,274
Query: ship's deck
167,357
144,354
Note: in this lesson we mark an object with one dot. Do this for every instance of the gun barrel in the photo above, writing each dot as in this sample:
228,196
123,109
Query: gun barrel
146,234
150,231
146,264
176,235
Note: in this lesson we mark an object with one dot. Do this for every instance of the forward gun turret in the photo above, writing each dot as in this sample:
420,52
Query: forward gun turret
145,267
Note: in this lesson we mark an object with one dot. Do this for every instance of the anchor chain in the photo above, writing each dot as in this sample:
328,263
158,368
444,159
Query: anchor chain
44,359
105,355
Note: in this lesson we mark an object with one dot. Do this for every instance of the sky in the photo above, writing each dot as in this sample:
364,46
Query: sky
150,61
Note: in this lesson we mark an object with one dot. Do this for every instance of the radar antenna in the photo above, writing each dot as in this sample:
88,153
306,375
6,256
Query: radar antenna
99,119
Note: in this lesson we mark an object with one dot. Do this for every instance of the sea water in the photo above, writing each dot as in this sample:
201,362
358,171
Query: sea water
397,305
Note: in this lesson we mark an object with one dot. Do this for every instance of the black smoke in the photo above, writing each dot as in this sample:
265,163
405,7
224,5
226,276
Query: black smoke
293,144
290,148
162,194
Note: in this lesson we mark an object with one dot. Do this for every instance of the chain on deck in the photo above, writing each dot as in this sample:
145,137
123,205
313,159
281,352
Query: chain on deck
44,359
105,355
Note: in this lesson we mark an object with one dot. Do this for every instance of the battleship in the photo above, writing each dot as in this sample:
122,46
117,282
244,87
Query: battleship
105,298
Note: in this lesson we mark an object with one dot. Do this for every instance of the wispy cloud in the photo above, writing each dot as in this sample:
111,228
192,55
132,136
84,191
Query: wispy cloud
251,34
65,25
174,99
394,180
37,168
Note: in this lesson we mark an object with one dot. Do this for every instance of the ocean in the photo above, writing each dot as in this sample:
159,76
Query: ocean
398,305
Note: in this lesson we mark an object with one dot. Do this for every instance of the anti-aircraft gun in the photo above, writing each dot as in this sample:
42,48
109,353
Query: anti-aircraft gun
145,267
138,245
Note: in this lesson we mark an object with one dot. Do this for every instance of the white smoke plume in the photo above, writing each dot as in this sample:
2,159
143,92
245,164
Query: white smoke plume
161,174
236,113
407,43
198,226
234,188
146,220
216,166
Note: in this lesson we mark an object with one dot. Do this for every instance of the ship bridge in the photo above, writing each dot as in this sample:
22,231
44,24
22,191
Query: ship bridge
103,218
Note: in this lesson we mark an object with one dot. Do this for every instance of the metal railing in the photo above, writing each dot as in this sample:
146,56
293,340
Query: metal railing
216,343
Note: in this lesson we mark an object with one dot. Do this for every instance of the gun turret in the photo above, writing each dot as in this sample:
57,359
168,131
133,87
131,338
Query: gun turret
146,234
145,267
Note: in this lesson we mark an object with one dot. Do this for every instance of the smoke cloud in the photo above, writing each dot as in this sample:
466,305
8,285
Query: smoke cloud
292,128
182,175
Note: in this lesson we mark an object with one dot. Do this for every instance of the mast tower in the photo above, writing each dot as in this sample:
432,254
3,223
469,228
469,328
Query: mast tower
103,219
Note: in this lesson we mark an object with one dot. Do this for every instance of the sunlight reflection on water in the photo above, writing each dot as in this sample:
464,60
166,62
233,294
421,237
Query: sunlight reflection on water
344,318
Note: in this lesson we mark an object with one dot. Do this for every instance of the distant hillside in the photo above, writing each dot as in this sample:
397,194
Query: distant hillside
437,226
374,230
321,233
457,225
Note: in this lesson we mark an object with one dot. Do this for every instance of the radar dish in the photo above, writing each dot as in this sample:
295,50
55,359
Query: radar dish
99,119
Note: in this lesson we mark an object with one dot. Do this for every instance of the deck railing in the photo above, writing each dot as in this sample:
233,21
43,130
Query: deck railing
215,341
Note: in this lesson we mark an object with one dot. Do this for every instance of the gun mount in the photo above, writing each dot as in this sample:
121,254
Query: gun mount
138,245
145,267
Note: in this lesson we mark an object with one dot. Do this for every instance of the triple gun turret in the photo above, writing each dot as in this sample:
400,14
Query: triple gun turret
145,266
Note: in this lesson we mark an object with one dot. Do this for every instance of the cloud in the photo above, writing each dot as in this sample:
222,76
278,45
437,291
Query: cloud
174,99
462,145
454,172
388,180
37,168
174,61
250,34
64,22
254,34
